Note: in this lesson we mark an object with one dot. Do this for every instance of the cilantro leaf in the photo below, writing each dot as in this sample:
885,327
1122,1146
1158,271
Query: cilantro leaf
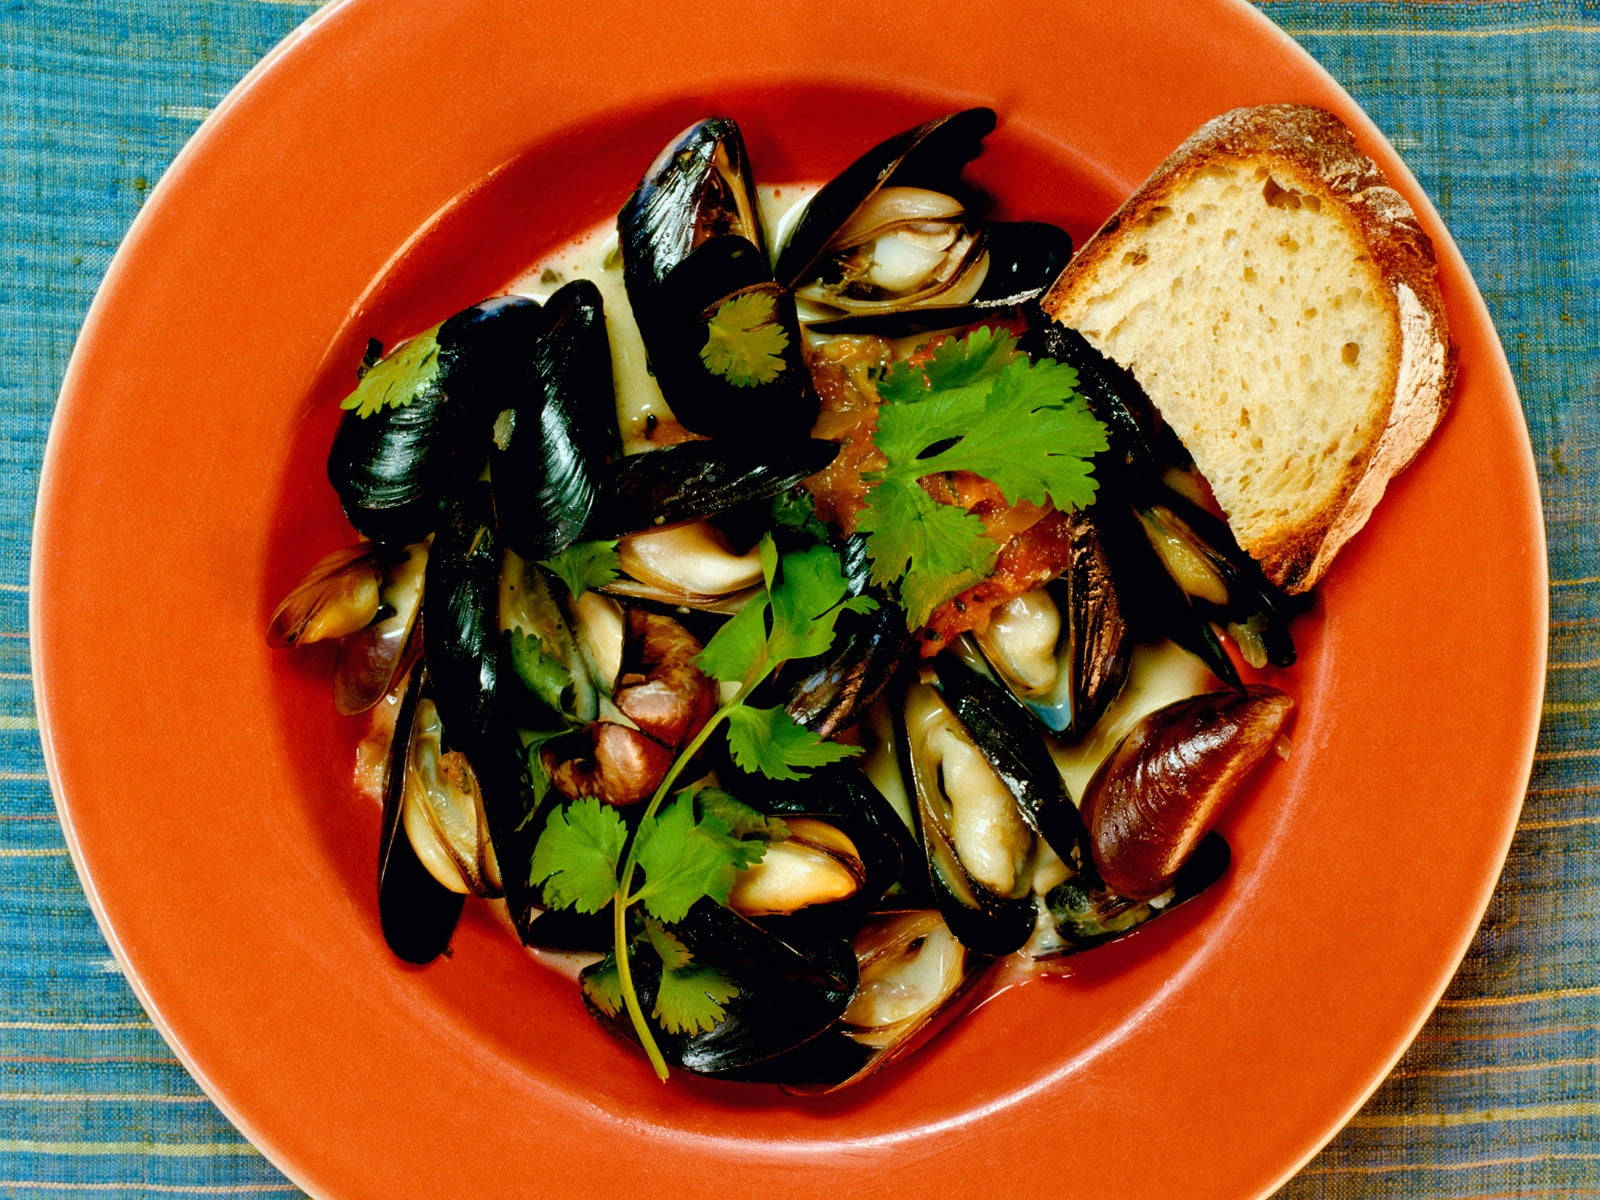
975,405
956,362
685,858
1036,440
795,510
745,340
545,675
739,817
576,856
934,550
603,985
585,566
668,946
769,741
537,777
810,594
692,998
395,381
736,650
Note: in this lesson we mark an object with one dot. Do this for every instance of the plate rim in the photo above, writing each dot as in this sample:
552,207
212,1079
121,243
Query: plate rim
304,41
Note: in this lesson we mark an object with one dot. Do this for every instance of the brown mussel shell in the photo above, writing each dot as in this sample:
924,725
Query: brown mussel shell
1159,791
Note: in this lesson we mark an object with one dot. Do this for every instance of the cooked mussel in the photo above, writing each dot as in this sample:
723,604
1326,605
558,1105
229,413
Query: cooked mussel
367,597
417,913
1159,791
922,165
914,977
461,630
1064,648
979,847
418,423
690,565
552,441
1178,566
787,994
721,334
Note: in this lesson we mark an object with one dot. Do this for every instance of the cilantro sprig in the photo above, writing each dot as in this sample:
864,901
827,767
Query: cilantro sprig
694,847
585,566
745,340
398,379
976,405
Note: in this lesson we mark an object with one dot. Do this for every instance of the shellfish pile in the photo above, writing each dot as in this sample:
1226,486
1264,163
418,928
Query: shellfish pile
480,459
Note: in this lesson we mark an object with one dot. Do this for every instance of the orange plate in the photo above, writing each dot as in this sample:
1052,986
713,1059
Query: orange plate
398,159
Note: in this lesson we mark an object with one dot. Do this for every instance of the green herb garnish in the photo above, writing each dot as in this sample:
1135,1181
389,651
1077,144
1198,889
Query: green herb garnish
977,405
585,566
745,340
395,381
695,847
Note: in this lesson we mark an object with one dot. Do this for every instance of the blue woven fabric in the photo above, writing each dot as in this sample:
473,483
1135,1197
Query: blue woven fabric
1496,107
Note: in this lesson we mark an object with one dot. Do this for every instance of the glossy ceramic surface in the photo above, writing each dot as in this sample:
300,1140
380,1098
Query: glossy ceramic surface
397,160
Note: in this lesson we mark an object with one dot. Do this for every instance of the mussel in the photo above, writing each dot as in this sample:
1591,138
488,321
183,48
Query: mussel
1159,791
1064,648
551,443
1177,565
721,334
418,423
980,849
891,243
787,994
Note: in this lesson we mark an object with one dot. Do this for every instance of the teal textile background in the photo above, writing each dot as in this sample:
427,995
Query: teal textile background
1496,107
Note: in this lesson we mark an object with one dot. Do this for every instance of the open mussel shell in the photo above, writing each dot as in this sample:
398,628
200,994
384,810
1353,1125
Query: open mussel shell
691,480
1063,649
833,813
979,847
914,978
1013,750
551,443
1022,259
696,270
371,659
1157,794
417,913
929,156
393,466
339,595
788,994
691,564
1084,913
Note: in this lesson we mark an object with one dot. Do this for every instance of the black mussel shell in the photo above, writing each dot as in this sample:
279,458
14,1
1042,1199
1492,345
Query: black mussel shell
1024,258
787,994
570,931
699,479
1008,738
833,692
461,638
391,469
981,918
692,244
1085,913
931,155
1134,473
417,913
552,443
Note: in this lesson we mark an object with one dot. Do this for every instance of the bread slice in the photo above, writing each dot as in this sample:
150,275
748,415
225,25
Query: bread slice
1279,302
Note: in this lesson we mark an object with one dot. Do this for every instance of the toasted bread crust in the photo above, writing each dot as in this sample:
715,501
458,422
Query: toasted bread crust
1320,155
